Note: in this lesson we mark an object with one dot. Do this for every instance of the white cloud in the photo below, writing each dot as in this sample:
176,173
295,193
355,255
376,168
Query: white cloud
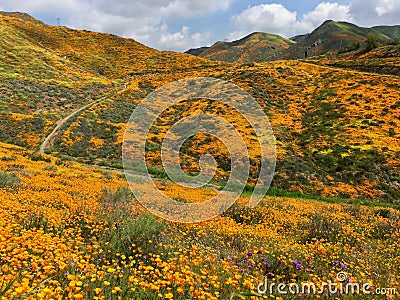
145,21
236,35
265,17
162,8
183,39
386,6
326,11
376,12
275,18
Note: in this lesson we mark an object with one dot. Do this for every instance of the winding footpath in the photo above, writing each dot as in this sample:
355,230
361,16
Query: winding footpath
49,140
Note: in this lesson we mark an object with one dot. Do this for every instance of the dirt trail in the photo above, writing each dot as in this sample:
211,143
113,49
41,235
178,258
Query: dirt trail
49,140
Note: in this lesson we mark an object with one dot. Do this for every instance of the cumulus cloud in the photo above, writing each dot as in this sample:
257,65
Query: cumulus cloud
161,8
386,6
326,11
150,21
276,18
265,17
376,12
145,21
184,39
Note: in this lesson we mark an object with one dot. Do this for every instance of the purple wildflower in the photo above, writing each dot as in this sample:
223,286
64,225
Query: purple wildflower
298,265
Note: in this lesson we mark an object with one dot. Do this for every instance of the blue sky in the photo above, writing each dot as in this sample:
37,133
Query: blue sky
182,24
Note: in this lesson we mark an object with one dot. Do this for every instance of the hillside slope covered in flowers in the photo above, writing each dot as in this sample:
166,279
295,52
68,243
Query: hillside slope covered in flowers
69,231
47,72
336,128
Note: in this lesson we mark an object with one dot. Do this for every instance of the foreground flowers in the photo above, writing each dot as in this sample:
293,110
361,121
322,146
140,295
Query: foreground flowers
73,232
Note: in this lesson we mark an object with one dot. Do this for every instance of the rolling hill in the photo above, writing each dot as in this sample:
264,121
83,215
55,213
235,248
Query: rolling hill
255,47
391,31
196,51
382,60
97,53
336,129
330,37
47,72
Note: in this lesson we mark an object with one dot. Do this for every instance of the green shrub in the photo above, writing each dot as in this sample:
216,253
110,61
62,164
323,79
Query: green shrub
352,46
120,196
383,212
107,175
371,42
8,158
125,235
8,180
319,227
158,172
39,157
123,228
50,168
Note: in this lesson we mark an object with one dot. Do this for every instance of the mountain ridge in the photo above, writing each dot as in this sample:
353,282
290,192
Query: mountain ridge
329,37
127,55
263,47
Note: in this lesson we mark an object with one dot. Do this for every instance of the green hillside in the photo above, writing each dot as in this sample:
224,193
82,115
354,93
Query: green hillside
255,47
332,36
390,31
